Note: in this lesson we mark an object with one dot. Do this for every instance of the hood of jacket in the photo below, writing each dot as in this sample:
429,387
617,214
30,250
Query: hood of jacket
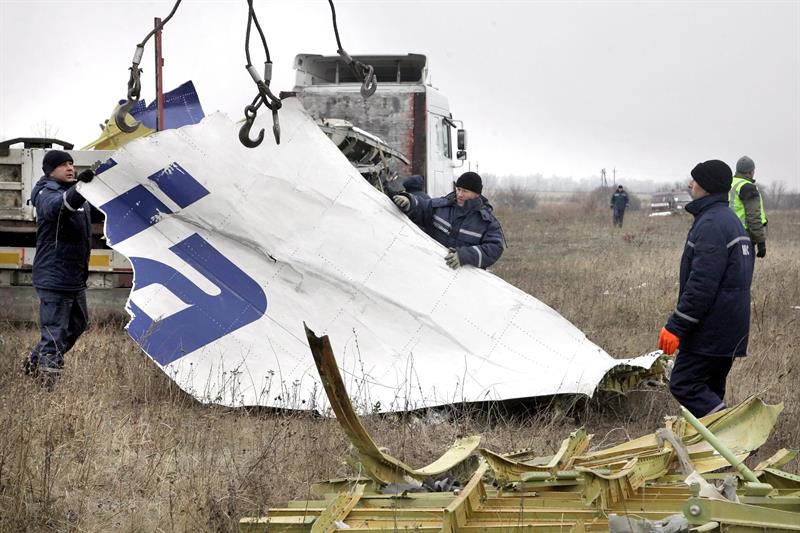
695,207
413,183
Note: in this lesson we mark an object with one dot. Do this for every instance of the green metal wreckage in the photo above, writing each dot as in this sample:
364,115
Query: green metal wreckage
686,476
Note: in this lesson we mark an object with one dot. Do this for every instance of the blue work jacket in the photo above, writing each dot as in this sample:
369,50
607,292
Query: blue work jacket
713,312
472,229
619,201
63,236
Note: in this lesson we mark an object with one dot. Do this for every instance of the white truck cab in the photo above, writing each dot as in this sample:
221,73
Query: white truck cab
408,114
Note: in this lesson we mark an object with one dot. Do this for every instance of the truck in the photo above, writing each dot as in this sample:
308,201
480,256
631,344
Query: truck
406,113
404,128
669,202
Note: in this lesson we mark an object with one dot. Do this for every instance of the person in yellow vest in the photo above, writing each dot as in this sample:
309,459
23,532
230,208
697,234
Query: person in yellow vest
748,204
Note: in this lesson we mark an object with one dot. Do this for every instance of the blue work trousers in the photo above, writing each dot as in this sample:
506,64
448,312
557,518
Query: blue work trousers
698,382
619,215
63,317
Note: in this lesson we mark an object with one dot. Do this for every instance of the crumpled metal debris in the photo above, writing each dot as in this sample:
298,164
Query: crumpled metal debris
639,486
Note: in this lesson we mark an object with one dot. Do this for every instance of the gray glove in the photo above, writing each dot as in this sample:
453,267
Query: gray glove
402,202
452,259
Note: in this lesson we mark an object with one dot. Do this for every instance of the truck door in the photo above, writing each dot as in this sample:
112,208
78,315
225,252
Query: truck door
440,156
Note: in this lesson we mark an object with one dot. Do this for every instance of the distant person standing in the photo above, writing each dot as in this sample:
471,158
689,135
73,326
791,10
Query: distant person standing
711,321
748,204
61,263
619,203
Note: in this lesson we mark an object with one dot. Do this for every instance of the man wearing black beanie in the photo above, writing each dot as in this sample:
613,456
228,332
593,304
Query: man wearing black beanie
61,263
711,322
462,221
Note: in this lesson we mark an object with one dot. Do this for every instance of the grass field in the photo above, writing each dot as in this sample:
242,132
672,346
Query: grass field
117,447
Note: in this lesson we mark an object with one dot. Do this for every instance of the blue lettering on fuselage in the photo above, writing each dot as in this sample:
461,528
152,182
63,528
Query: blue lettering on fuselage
240,301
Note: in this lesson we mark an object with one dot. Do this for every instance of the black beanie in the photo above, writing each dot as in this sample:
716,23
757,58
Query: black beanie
713,176
470,181
53,159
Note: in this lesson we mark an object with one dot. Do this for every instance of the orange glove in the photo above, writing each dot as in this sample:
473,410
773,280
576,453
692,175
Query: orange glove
668,341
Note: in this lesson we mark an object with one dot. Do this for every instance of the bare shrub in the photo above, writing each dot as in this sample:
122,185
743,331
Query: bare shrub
778,196
513,196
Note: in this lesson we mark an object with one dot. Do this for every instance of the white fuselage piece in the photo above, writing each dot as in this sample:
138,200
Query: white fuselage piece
296,224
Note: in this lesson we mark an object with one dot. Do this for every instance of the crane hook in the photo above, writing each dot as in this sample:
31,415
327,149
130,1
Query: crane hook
370,83
134,88
244,131
121,112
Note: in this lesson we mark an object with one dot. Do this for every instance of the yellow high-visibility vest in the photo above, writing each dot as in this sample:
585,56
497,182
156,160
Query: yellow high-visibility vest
736,202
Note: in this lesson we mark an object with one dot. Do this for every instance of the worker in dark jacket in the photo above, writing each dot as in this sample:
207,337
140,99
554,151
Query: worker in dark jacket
462,221
61,263
415,185
711,322
748,204
619,203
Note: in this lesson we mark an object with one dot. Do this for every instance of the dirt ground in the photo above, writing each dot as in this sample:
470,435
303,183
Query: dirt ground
118,447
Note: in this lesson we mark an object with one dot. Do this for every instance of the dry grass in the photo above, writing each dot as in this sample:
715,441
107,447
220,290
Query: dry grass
118,447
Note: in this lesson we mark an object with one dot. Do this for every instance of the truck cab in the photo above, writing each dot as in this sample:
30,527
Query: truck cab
412,117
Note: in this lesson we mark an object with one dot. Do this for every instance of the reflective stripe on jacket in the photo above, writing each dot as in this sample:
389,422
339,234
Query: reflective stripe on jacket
713,312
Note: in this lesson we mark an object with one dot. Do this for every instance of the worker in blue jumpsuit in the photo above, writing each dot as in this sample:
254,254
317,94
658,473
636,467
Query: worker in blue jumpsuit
462,221
711,322
61,263
619,203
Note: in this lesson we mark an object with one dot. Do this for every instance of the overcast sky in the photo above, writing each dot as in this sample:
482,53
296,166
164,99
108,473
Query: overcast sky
564,88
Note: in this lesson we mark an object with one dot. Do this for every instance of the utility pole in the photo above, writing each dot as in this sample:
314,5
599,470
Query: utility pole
615,175
603,181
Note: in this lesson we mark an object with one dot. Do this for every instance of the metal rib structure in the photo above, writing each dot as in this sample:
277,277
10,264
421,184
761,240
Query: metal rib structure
653,483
